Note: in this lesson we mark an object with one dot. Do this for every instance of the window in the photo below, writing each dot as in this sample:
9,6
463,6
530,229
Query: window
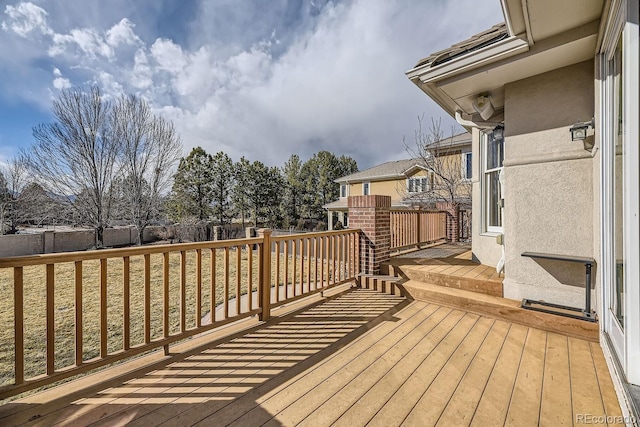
467,172
493,149
418,185
344,190
365,188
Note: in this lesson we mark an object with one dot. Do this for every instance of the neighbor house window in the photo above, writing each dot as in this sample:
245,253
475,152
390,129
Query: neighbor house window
344,190
418,185
493,149
467,172
365,188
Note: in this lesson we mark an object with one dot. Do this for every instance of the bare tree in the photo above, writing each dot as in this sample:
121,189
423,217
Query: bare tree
77,154
15,180
150,148
441,157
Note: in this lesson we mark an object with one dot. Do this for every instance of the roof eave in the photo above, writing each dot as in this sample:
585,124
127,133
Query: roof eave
506,48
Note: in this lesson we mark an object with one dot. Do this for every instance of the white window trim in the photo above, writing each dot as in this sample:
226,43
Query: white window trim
346,193
416,178
366,184
463,161
488,229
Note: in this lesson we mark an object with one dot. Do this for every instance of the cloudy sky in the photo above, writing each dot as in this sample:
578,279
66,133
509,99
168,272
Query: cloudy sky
262,79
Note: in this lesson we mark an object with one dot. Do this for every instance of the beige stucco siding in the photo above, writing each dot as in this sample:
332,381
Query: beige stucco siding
394,188
549,184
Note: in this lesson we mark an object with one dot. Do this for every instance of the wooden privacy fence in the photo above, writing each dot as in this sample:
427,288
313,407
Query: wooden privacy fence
416,227
65,314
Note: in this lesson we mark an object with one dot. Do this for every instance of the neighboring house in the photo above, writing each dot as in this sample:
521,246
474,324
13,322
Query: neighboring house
410,182
546,178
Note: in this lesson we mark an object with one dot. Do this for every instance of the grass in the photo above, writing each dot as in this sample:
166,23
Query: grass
35,304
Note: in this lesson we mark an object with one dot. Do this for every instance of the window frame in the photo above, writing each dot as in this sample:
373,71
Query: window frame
366,188
465,165
486,194
425,184
344,191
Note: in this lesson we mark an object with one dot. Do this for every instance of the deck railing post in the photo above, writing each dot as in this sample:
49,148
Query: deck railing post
371,214
264,290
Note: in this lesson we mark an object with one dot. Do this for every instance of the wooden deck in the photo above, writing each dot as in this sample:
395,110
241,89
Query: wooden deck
359,358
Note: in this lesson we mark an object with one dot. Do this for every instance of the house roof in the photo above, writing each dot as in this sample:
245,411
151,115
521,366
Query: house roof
392,169
400,168
456,141
492,35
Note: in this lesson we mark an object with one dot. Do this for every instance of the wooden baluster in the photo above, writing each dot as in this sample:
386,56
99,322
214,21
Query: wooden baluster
286,270
103,308
183,291
126,308
333,259
226,282
308,248
301,266
78,312
238,279
250,277
277,271
165,298
147,298
316,246
18,323
294,260
198,288
323,244
212,282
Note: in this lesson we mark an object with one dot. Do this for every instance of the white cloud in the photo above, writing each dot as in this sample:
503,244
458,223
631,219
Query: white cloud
61,83
122,33
334,79
26,18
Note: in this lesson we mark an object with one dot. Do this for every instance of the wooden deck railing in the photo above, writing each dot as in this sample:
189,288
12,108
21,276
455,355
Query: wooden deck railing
69,313
416,227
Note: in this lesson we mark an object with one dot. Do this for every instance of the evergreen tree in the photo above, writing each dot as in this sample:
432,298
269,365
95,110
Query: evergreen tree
293,190
264,194
240,193
222,184
319,174
192,194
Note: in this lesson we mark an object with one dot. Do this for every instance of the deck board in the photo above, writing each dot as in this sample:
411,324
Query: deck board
464,401
524,408
363,358
556,405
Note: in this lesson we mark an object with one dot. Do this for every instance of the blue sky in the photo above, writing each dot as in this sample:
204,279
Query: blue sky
262,79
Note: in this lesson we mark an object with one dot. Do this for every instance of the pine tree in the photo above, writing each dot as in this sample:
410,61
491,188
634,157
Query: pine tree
192,192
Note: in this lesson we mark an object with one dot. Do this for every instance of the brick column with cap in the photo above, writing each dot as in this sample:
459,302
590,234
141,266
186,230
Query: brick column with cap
453,217
371,215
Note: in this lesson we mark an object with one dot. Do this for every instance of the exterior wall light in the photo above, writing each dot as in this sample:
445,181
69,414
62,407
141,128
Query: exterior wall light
498,132
483,106
579,130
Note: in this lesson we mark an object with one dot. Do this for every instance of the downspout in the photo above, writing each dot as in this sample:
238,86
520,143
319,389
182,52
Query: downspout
465,120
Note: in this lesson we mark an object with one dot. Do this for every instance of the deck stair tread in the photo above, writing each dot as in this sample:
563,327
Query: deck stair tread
498,307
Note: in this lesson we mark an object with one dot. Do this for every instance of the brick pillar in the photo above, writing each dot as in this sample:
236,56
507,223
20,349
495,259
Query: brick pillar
371,215
453,227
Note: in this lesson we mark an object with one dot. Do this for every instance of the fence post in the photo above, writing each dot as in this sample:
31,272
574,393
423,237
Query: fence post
418,216
264,290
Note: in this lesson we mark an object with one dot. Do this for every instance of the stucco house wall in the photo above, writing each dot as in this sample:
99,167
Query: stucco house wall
549,184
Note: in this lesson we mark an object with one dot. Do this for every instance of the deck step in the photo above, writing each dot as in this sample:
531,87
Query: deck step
498,307
474,284
381,283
